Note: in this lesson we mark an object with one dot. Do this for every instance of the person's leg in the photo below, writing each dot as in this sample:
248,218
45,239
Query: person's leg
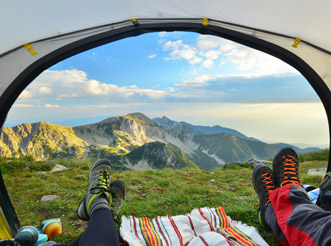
101,230
293,215
290,214
100,206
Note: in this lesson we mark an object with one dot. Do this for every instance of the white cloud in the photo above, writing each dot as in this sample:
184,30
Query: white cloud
209,50
75,85
20,105
196,82
51,106
208,63
152,56
25,95
61,96
179,51
45,90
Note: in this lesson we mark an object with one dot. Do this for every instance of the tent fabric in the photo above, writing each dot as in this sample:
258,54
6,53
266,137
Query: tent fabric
22,22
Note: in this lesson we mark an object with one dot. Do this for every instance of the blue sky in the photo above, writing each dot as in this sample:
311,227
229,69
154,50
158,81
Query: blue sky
186,76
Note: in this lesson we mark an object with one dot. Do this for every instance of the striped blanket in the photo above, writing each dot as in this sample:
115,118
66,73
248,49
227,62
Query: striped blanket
204,226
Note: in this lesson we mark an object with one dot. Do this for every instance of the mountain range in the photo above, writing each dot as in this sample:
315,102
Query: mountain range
135,141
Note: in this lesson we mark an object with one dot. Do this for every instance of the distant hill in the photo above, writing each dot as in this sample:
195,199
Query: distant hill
134,141
199,130
153,155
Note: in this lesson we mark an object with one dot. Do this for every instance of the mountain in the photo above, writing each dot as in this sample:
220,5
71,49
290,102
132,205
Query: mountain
198,130
135,141
300,150
41,139
231,148
153,155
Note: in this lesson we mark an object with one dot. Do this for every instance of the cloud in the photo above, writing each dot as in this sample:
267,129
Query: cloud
152,56
26,94
51,106
71,86
19,105
209,50
45,90
179,51
196,82
208,63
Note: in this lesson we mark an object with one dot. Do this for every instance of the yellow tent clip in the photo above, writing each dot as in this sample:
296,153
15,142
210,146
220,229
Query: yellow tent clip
297,41
134,21
30,48
205,21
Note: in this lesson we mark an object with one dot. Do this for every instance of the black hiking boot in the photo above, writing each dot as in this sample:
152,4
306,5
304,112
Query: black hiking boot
99,186
286,168
263,185
118,193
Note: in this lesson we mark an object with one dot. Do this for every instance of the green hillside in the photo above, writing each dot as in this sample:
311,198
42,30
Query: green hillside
154,155
235,149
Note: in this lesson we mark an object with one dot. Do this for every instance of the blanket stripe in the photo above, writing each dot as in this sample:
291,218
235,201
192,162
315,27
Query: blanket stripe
166,232
203,240
192,226
242,239
165,239
176,230
210,225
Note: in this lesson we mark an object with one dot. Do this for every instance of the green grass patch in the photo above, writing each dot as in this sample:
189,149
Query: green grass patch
150,193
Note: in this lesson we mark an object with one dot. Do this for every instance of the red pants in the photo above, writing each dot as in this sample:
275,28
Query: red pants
296,220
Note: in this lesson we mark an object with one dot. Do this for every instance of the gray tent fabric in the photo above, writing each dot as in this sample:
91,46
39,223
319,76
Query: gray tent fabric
38,34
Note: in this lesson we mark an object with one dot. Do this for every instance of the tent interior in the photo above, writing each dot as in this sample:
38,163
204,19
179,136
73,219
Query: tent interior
297,32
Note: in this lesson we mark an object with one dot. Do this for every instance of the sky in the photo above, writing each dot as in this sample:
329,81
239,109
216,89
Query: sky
200,79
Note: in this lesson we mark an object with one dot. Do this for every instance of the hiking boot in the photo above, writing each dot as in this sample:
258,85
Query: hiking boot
99,181
286,168
118,193
263,185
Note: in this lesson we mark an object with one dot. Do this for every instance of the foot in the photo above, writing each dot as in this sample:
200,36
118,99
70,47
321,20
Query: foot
286,168
263,185
99,187
118,193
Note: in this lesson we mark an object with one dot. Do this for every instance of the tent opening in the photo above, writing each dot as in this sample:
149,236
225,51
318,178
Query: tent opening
178,50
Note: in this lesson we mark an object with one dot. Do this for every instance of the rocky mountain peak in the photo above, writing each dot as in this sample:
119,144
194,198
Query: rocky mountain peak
166,122
141,119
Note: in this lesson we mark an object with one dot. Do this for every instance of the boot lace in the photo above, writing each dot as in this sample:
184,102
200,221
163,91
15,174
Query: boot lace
290,171
269,185
102,183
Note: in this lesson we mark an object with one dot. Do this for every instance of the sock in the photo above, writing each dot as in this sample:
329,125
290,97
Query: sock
100,202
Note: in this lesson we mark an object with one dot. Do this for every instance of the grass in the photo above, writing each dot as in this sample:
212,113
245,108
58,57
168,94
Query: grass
150,193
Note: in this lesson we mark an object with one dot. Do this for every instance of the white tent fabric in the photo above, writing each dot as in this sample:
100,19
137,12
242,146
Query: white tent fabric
22,22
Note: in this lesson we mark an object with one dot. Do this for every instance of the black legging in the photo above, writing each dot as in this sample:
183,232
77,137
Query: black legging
101,230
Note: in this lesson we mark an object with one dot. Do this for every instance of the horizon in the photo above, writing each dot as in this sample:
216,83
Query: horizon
94,120
200,79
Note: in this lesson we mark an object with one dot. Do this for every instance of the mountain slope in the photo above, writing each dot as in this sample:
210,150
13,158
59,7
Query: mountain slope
198,130
231,148
40,140
158,155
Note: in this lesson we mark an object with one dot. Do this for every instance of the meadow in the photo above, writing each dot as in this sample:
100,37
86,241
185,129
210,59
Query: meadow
150,193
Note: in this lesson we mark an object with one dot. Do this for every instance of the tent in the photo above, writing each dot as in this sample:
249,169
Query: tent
37,34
